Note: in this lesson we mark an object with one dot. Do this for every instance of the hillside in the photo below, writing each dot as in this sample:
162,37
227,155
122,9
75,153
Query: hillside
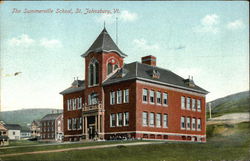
24,116
239,102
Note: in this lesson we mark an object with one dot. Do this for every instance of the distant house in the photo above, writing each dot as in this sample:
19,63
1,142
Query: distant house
25,133
35,129
14,131
52,127
4,139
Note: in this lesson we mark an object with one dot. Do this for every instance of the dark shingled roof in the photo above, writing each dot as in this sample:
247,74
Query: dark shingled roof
76,86
141,71
52,116
12,126
104,43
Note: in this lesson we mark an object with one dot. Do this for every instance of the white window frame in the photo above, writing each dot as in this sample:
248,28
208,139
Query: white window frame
198,124
112,98
145,93
119,97
69,123
165,97
193,104
165,120
151,119
126,119
188,101
151,95
112,120
183,102
119,119
158,120
183,122
68,105
188,123
193,124
126,96
144,118
158,98
199,105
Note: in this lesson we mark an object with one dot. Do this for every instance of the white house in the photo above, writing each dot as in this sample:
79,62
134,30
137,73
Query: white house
14,131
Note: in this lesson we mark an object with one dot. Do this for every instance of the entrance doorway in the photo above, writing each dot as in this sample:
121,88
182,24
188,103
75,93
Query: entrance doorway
91,127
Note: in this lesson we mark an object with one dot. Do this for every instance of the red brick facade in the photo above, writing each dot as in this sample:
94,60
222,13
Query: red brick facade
116,110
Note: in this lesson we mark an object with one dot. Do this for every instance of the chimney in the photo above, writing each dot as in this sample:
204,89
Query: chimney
150,60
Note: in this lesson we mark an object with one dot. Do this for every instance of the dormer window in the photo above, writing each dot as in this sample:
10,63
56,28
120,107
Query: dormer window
93,72
154,73
110,68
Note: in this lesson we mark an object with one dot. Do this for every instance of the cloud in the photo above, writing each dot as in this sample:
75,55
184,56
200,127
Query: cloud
25,41
50,43
209,24
143,44
124,16
22,40
128,16
234,25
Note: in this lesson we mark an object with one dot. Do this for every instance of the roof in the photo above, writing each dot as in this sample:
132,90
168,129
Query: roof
52,116
144,72
76,86
104,43
12,126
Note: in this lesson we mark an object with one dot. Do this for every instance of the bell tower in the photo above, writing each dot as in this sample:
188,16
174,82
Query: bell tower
102,59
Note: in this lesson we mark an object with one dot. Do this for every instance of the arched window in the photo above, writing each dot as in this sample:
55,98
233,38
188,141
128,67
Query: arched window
110,68
96,72
93,72
93,99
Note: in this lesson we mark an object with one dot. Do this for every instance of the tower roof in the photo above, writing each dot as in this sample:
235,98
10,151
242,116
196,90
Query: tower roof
104,43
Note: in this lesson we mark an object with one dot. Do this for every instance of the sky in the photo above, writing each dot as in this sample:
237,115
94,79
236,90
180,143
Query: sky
207,40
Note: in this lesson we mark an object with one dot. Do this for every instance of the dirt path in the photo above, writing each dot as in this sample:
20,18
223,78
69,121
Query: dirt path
79,148
232,118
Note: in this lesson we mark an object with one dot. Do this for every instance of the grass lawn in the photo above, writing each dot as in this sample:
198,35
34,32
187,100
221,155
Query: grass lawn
225,142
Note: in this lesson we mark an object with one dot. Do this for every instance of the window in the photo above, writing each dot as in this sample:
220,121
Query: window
93,72
158,98
80,103
152,97
183,125
74,123
14,133
145,95
112,120
69,124
158,120
112,98
126,95
93,99
198,105
188,103
119,97
193,105
193,123
68,105
188,123
199,124
110,68
74,104
119,119
165,99
144,119
80,123
182,102
152,119
165,120
126,119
